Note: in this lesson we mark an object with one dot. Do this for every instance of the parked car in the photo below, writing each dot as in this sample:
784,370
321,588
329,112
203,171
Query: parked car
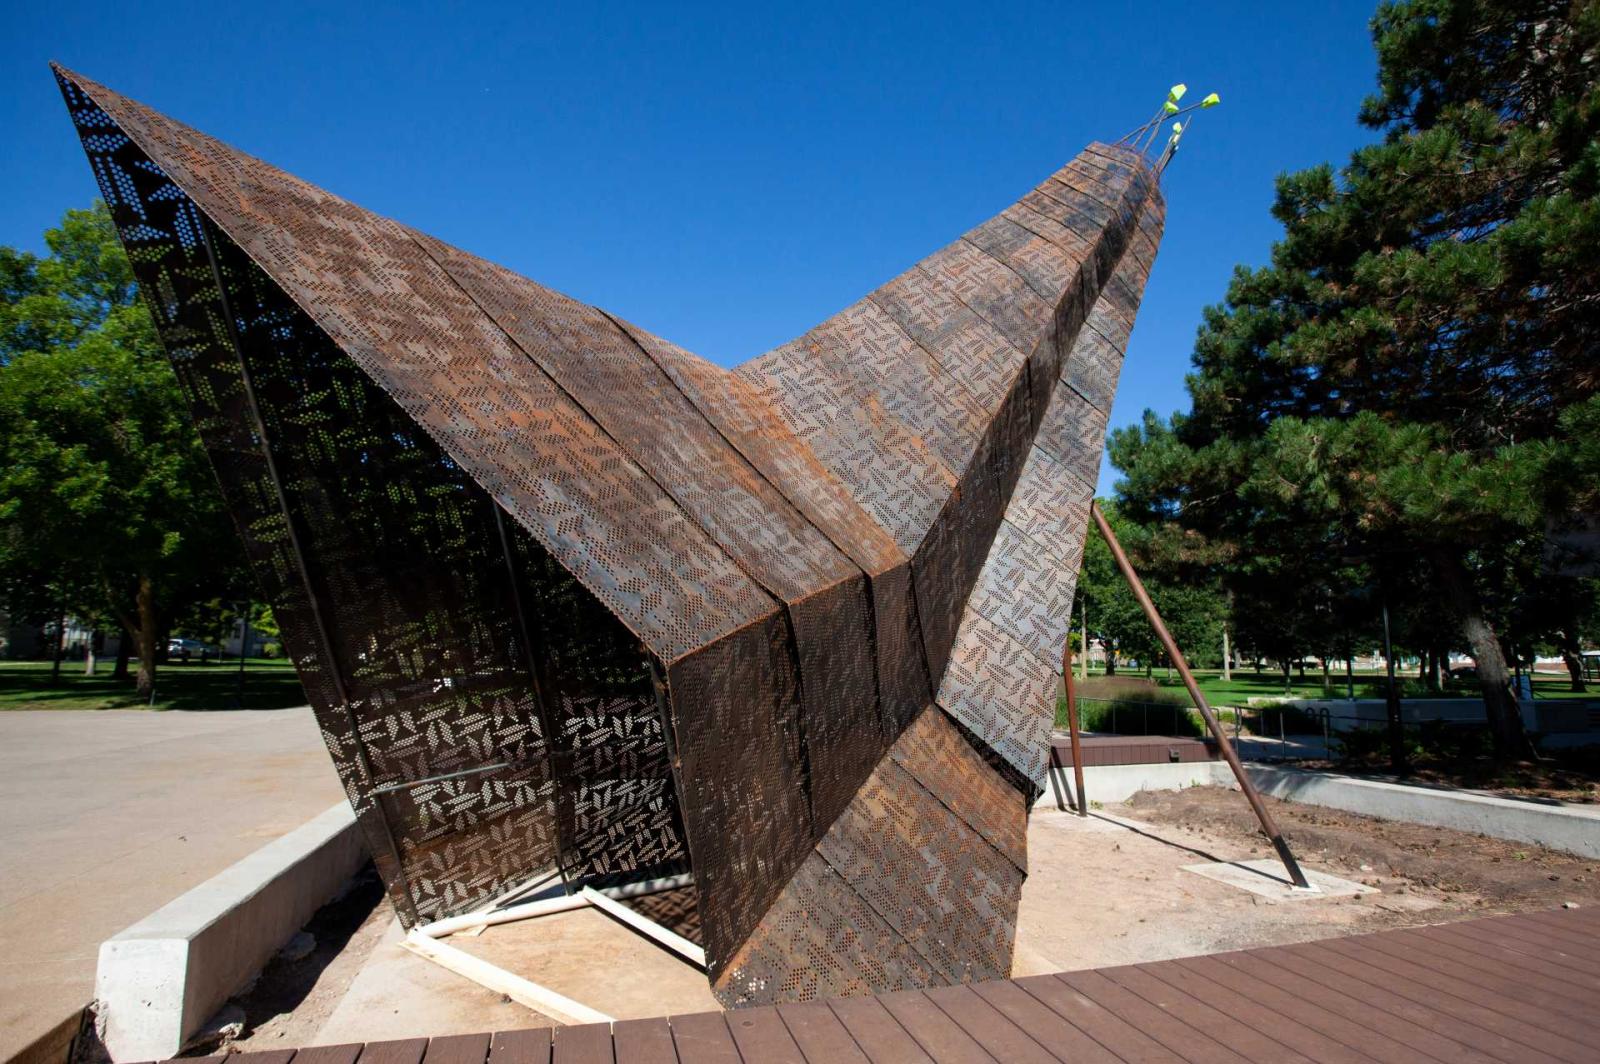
185,650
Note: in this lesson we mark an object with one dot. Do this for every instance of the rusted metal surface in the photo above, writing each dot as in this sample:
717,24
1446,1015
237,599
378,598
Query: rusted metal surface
565,596
916,884
1268,825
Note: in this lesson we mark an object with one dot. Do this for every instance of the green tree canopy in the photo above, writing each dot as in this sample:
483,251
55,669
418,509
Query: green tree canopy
1412,380
107,503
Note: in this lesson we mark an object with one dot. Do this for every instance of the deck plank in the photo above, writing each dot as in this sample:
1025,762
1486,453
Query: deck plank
531,1046
1244,1039
584,1043
403,1051
1095,1022
1277,968
991,1029
1518,948
1569,952
271,1056
879,1034
342,1054
643,1042
939,1036
1304,1026
1472,954
457,1049
759,1034
704,1038
1496,990
1422,986
820,1035
1383,997
1189,1044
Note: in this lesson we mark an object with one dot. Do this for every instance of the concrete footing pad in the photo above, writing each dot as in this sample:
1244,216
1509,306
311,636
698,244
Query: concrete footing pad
1266,877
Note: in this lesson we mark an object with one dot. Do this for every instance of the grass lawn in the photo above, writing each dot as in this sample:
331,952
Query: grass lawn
1129,704
1245,685
268,684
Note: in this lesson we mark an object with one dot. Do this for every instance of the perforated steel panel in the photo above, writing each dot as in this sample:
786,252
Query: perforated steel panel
905,889
565,596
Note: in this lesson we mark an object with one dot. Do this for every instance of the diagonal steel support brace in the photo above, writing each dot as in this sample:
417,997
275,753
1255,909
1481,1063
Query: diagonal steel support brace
1268,825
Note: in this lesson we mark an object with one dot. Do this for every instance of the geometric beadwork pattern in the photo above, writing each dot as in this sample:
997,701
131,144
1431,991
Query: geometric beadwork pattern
567,598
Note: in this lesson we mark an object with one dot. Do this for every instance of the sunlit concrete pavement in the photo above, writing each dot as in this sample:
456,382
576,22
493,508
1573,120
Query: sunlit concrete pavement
105,816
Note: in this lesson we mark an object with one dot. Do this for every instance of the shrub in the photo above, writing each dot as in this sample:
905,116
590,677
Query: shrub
1141,712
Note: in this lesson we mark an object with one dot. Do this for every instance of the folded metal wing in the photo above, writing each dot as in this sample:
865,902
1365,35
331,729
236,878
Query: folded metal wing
565,596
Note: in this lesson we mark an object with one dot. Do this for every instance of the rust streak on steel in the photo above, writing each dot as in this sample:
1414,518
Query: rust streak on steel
1263,814
565,596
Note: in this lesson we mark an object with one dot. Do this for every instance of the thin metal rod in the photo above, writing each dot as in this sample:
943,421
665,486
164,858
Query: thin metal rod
1268,825
330,662
1072,725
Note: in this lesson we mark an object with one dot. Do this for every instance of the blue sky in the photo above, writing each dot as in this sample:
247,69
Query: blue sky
726,176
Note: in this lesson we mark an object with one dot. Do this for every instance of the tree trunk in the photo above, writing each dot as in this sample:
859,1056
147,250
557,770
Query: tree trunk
124,652
1326,683
1499,701
1083,662
1572,657
1227,656
1286,679
1111,657
146,683
88,654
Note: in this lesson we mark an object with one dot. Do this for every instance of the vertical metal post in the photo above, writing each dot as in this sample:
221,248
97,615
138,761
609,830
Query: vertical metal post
1268,825
1072,726
1391,702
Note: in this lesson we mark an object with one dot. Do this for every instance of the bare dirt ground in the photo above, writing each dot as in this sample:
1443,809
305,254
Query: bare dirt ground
1106,890
1569,776
1463,875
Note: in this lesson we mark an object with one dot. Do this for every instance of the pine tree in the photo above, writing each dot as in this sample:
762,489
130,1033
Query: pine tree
1414,378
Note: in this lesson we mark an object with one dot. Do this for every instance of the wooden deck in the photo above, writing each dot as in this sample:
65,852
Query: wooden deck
1501,989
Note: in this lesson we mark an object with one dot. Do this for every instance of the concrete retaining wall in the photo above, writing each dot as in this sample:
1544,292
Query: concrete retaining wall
161,979
1545,716
1573,829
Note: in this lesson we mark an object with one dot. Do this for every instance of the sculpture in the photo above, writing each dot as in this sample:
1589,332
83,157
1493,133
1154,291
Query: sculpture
564,595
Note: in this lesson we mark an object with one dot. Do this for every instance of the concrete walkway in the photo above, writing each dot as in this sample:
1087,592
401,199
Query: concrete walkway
106,816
